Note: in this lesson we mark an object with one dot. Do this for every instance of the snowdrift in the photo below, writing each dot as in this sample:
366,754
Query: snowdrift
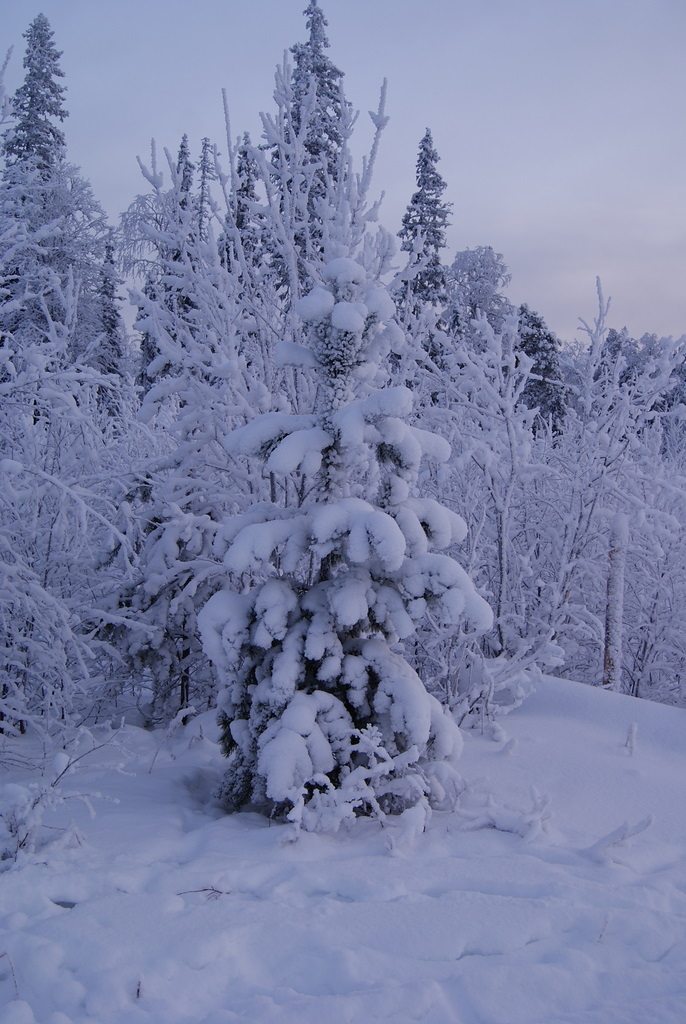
555,895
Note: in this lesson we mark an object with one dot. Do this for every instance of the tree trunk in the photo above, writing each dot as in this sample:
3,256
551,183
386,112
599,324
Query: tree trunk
614,610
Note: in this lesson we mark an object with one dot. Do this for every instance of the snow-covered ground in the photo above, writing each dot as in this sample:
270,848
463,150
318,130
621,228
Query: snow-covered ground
170,911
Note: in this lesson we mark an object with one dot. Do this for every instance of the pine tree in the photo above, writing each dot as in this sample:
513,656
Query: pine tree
423,233
38,103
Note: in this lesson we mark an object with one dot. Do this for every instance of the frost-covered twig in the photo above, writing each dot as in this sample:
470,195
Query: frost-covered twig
13,972
602,851
178,720
527,824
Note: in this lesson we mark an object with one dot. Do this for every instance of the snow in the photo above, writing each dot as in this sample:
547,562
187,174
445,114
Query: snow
528,908
264,430
301,450
349,316
345,273
289,353
366,528
316,306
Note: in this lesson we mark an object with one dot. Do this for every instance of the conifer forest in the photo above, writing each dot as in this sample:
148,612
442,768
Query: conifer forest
262,456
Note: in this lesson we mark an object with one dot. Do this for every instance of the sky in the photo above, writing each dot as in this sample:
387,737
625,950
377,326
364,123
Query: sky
559,123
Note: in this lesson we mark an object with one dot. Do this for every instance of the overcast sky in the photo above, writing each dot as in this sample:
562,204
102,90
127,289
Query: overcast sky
560,123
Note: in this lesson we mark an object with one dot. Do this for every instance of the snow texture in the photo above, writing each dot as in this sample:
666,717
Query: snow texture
559,907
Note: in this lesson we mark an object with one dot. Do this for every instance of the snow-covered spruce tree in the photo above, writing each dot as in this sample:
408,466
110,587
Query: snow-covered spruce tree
55,500
319,107
60,229
278,251
307,140
322,717
545,390
423,235
38,102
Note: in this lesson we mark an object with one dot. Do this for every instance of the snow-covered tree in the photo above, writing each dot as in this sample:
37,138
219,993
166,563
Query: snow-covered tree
55,229
56,504
307,138
322,716
110,355
476,279
206,174
38,103
605,461
319,108
545,390
423,234
205,378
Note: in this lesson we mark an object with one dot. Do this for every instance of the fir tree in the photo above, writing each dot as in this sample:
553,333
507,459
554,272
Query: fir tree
38,103
322,718
313,70
52,248
545,391
158,231
423,233
206,174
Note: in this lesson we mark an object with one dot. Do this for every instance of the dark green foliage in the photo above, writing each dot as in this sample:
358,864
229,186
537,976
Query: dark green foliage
38,102
545,392
423,232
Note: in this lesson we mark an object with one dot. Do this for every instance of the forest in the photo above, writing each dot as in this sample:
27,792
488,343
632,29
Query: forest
331,483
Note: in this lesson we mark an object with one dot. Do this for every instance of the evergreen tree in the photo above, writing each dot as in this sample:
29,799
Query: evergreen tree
423,233
206,174
323,719
307,138
620,347
55,503
56,230
38,103
110,349
543,348
244,240
158,231
318,104
184,174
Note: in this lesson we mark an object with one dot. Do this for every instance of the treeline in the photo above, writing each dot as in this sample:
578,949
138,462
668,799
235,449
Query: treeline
140,477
